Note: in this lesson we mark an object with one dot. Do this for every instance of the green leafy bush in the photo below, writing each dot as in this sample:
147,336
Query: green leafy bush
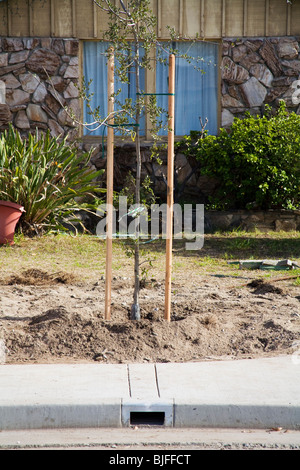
257,163
45,175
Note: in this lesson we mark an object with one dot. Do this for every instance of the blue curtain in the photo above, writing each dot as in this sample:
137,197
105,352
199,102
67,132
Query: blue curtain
196,92
95,69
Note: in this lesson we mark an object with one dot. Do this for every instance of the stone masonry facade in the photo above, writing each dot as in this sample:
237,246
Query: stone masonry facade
259,71
40,76
254,72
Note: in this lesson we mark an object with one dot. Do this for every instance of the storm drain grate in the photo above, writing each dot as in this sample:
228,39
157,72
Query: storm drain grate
147,418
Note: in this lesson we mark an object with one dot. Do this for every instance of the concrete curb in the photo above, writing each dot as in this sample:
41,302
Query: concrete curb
50,416
115,414
233,416
221,394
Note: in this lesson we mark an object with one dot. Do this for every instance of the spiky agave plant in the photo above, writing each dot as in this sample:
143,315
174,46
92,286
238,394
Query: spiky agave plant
45,175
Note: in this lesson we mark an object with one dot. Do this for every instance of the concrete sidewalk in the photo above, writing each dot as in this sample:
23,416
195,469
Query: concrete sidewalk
249,393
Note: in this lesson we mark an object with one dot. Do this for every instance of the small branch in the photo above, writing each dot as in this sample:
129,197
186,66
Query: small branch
147,261
87,125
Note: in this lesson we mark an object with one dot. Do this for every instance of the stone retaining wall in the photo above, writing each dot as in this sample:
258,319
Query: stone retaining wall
187,178
250,220
259,71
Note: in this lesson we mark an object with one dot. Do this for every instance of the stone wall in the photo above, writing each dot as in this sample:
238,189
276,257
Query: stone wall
35,101
272,220
259,71
188,182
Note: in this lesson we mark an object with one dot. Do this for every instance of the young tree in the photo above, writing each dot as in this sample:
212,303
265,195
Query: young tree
136,21
131,33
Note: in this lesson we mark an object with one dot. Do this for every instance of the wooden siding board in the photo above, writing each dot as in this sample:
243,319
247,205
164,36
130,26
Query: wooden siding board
256,18
207,18
100,23
84,19
212,19
234,22
277,18
191,18
295,19
40,14
19,17
74,22
3,19
62,10
169,16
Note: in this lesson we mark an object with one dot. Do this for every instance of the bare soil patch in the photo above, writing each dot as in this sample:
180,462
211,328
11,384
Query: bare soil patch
39,277
46,318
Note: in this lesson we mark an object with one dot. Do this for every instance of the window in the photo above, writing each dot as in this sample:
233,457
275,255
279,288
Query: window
196,87
196,92
95,70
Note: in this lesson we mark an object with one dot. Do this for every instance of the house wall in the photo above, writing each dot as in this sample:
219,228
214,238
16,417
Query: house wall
259,67
42,38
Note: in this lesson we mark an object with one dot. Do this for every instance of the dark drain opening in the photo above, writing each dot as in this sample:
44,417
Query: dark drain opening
147,418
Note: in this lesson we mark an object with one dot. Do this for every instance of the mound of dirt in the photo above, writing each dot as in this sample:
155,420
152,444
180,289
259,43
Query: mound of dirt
39,277
48,320
262,287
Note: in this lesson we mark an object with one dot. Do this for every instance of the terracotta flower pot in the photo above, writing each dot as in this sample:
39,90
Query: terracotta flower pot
10,214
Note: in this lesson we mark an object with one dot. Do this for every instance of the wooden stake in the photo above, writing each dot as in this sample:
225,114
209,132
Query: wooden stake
170,185
109,182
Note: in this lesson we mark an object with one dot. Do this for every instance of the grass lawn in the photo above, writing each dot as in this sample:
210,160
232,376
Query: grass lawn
84,255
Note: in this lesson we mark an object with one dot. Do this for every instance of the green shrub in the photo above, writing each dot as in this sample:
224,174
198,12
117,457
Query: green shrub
257,163
45,175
